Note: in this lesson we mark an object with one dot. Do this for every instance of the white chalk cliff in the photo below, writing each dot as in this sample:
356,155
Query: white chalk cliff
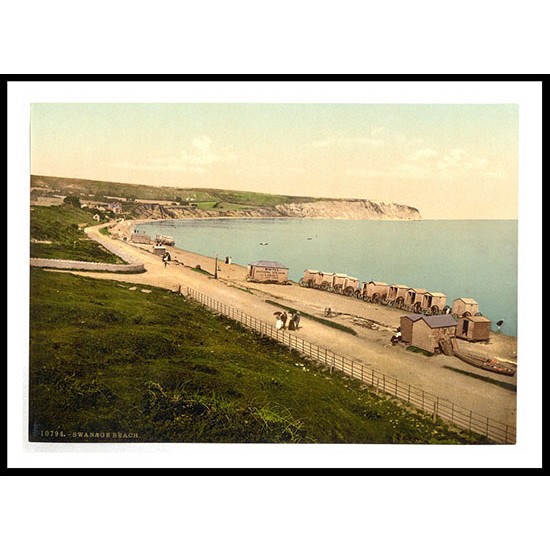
353,209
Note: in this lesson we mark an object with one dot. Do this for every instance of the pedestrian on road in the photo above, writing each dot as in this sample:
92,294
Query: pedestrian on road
284,318
296,319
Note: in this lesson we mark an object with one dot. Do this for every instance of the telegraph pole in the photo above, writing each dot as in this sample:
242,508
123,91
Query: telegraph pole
216,268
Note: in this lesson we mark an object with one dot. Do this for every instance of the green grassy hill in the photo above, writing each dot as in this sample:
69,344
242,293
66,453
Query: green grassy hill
46,185
60,232
106,359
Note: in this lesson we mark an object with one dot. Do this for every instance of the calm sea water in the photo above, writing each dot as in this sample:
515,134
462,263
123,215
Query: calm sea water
470,259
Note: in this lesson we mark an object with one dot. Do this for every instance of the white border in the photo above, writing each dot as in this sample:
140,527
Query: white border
526,453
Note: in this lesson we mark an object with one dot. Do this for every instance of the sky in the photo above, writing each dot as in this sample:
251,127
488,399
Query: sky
451,161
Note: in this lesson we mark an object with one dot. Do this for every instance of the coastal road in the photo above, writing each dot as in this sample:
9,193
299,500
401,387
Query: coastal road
370,346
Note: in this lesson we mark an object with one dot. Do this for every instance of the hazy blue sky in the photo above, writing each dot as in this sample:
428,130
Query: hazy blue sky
449,161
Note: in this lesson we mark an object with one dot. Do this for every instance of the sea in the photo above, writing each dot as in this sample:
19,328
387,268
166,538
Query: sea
462,258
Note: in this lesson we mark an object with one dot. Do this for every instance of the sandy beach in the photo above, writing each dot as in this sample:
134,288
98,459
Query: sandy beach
373,323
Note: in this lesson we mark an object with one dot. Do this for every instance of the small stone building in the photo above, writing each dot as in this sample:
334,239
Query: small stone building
267,272
427,331
463,306
474,328
115,207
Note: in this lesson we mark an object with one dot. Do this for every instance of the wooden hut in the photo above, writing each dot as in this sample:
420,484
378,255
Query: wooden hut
351,285
159,250
375,291
414,297
427,331
474,328
396,294
463,306
324,280
267,272
434,302
338,282
309,277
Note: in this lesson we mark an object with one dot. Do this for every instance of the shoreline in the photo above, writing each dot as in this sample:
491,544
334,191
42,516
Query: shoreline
239,278
373,324
130,224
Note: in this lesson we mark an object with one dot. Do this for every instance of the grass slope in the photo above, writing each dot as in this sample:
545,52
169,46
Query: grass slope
59,226
206,197
107,359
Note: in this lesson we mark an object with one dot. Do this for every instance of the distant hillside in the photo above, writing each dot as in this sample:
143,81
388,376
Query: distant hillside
41,185
148,201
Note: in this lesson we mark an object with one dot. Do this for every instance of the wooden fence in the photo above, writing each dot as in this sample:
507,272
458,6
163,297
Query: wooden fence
436,406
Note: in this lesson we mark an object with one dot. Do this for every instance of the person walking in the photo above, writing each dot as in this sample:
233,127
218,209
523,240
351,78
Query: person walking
284,318
296,319
291,324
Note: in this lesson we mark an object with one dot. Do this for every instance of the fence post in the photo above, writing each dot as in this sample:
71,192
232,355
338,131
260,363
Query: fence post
352,368
436,408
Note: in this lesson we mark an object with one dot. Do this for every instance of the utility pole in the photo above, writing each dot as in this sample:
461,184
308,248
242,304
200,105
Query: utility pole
216,268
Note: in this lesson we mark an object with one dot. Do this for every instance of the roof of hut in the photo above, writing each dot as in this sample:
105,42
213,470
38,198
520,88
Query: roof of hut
466,300
312,271
267,263
477,319
434,321
400,286
438,294
340,274
418,290
381,283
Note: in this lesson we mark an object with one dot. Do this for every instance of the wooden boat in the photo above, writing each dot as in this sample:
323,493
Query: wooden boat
488,364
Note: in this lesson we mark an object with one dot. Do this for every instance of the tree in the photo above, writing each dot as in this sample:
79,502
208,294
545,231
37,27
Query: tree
73,200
